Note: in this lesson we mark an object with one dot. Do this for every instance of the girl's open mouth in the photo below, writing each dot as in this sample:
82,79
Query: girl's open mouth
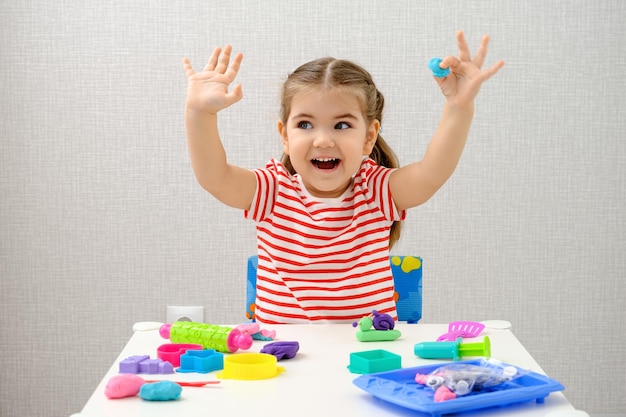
326,163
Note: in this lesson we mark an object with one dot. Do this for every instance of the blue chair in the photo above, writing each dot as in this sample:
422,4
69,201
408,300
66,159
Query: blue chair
407,278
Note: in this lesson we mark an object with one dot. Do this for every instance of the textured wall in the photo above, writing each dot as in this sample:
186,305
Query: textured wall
103,224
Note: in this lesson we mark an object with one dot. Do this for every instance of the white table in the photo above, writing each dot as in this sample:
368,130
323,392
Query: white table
315,382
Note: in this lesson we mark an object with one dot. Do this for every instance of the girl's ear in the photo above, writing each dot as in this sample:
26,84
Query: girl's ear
282,131
371,136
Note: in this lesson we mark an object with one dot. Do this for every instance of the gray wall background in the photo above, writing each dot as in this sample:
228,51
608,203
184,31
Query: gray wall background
103,224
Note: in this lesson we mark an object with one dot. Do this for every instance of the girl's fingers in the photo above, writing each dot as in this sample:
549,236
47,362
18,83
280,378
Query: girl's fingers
235,95
210,66
224,60
220,61
479,59
450,61
464,52
465,55
188,68
493,70
232,71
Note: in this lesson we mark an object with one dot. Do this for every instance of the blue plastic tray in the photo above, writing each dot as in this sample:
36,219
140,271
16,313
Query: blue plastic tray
399,387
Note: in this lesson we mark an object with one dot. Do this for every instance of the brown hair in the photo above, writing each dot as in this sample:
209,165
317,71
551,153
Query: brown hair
331,73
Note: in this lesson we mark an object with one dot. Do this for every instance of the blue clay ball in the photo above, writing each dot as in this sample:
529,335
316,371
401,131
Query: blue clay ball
160,391
437,71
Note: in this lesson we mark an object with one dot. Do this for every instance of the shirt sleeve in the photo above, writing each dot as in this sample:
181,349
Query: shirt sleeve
265,195
377,179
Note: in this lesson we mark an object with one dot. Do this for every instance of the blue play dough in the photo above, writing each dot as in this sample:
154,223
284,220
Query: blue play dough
160,391
437,71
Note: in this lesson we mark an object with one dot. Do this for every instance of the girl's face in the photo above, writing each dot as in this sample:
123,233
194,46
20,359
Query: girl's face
326,137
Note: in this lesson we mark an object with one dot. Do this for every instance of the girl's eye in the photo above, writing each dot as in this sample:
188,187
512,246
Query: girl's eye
304,125
342,125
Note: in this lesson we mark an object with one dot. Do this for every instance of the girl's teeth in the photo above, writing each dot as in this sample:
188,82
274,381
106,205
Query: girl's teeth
325,163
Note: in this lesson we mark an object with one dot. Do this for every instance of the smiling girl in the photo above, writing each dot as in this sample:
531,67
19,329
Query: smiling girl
329,211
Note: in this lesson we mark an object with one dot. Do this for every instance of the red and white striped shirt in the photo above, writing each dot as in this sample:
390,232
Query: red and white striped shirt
323,260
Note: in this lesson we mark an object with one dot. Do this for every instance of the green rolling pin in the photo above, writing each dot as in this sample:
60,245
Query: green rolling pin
220,338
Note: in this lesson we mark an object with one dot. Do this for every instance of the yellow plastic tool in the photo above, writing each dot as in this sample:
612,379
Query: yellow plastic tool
249,366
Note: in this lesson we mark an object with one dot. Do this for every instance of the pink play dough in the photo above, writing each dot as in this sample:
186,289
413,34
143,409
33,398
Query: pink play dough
125,385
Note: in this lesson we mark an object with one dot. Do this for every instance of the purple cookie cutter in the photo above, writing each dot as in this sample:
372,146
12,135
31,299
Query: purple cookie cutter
142,364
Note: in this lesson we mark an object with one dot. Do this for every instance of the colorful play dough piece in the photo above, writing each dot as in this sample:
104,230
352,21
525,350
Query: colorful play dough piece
160,391
282,350
142,364
437,71
121,386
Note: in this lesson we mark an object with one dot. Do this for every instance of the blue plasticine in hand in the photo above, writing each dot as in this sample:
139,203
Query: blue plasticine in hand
437,71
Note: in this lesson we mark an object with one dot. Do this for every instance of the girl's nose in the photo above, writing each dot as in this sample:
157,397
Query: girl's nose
324,140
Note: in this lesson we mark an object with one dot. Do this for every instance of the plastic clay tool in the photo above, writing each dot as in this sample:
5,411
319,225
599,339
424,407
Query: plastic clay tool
190,383
248,366
458,329
452,350
209,336
400,388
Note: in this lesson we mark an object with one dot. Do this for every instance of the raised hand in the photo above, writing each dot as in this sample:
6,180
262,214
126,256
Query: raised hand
208,90
463,84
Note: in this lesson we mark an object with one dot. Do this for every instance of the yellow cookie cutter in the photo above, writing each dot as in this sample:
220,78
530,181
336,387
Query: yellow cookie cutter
250,366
